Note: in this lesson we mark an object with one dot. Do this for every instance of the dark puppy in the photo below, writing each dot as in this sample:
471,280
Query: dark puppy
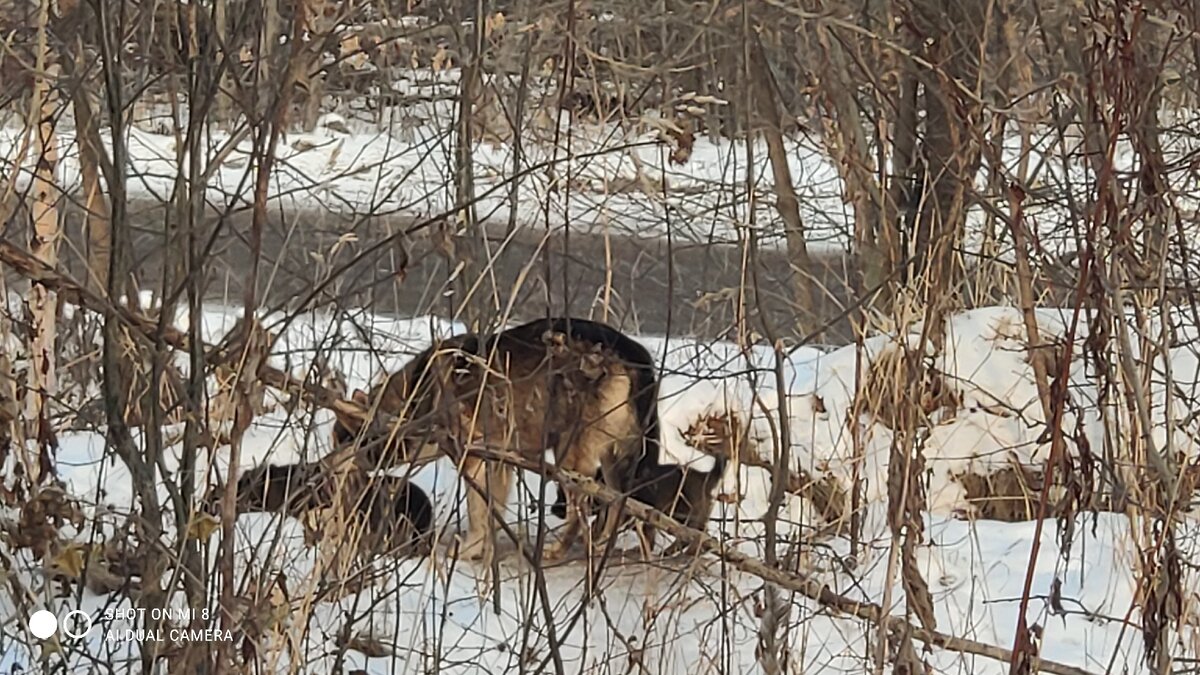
683,494
394,515
397,517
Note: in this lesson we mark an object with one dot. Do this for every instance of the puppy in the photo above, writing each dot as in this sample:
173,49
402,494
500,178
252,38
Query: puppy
683,494
394,515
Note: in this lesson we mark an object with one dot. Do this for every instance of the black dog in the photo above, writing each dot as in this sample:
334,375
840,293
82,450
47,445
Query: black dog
683,494
396,516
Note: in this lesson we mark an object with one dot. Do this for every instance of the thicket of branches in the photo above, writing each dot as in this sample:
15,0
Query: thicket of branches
1024,152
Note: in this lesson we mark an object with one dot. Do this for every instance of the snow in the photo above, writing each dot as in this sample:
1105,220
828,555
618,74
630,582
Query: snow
611,179
700,618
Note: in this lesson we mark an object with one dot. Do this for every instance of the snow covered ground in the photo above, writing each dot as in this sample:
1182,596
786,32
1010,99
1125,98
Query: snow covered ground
613,181
701,618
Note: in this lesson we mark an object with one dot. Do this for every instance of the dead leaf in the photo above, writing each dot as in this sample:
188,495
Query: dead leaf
493,23
100,578
683,139
51,647
202,527
343,240
369,646
69,561
440,59
333,156
351,52
9,409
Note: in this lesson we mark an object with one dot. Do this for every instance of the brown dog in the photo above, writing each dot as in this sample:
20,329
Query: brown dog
578,388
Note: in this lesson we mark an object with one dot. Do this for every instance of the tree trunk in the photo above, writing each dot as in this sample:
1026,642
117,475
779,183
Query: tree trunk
787,204
473,293
95,217
848,147
902,197
45,235
224,106
1152,178
950,148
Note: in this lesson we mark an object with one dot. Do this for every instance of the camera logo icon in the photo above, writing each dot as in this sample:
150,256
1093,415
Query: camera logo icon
43,624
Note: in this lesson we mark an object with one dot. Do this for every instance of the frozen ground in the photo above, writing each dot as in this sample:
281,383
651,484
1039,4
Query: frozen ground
701,619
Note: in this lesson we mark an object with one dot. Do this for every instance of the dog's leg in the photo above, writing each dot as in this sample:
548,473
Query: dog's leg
478,544
611,516
500,476
575,519
647,534
559,508
694,508
647,491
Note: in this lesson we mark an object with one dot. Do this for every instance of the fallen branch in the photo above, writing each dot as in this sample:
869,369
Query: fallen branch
792,581
73,291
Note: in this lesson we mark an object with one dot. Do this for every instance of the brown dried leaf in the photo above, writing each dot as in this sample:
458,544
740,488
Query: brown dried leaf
441,59
100,578
40,519
442,237
351,52
493,23
202,527
9,408
69,561
920,601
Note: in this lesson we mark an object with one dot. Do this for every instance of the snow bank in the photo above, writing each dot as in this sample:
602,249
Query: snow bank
988,419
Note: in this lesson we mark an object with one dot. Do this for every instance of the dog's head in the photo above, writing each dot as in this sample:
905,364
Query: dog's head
347,427
379,436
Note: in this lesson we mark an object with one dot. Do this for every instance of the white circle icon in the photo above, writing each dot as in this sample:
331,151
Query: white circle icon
68,624
42,624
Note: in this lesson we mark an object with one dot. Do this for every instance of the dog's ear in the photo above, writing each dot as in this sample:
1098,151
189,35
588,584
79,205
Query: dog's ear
360,397
345,426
